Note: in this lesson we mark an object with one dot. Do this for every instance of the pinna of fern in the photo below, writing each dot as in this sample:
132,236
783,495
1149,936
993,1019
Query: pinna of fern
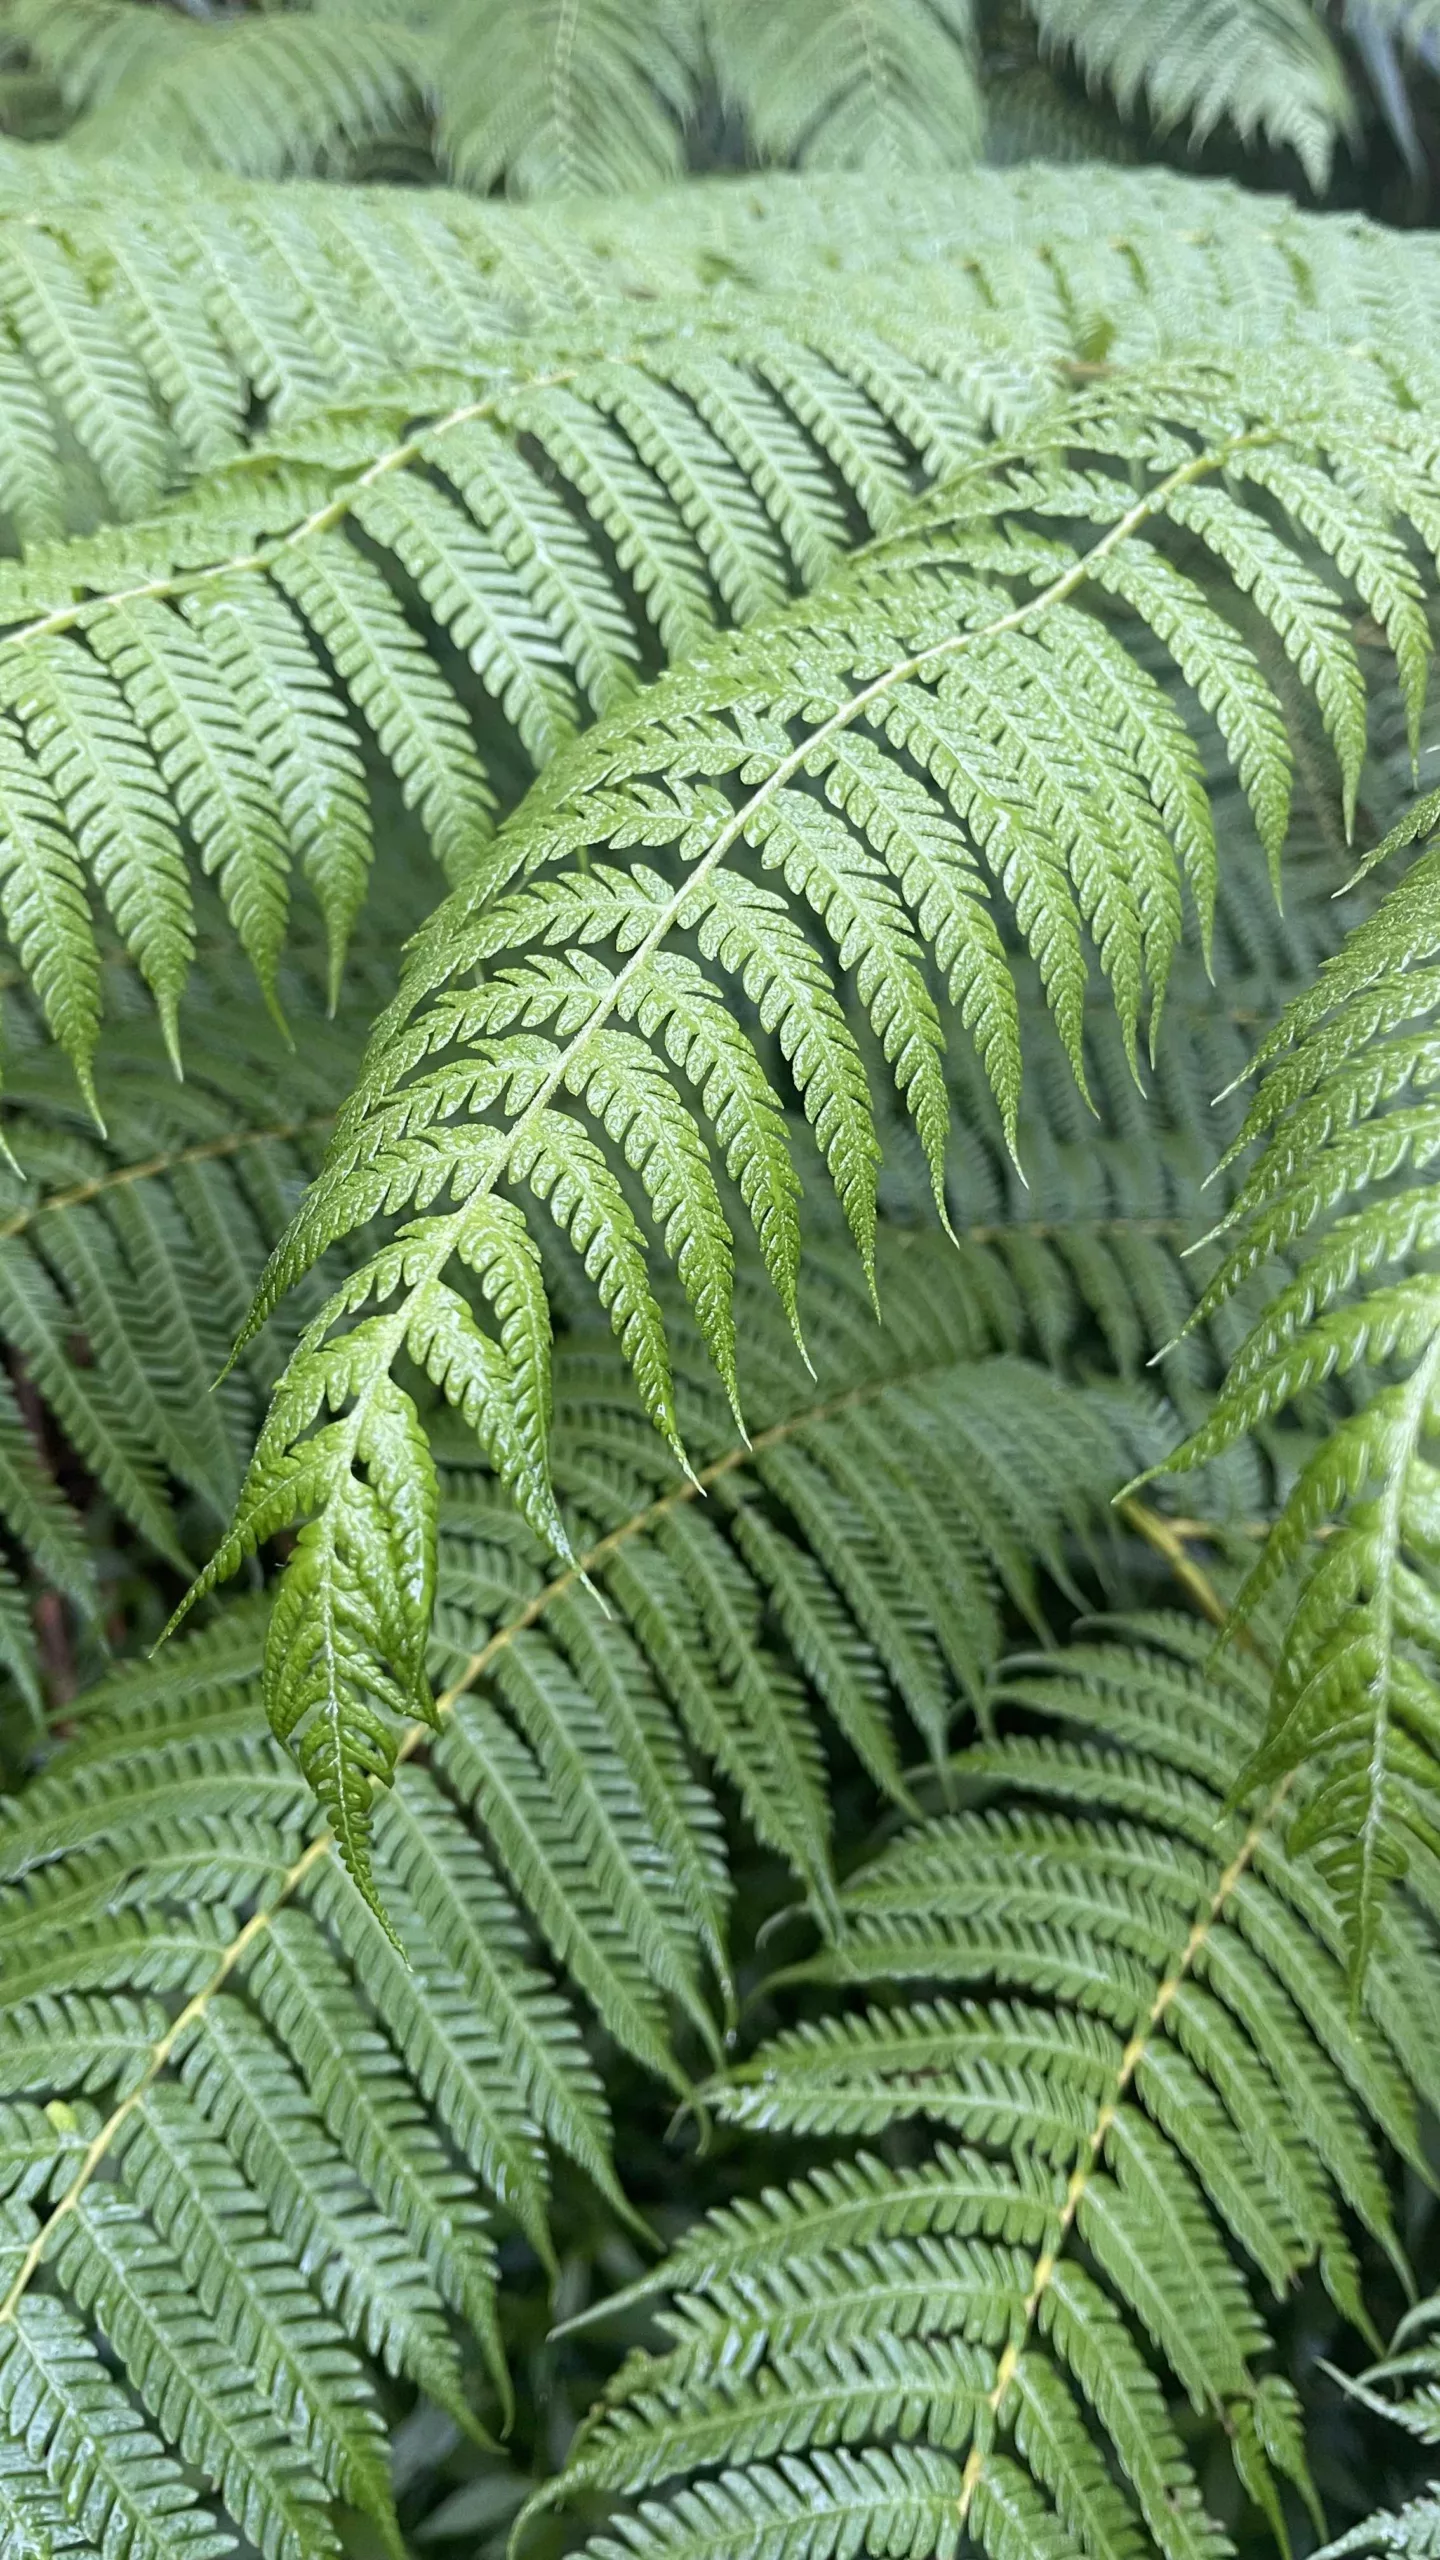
1412,2530
128,1259
127,1262
253,2155
1349,1127
836,794
1111,2011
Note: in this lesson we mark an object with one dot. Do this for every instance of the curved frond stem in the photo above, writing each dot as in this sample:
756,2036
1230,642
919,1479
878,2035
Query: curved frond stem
320,520
154,1168
575,1577
1166,1992
103,2142
1168,1538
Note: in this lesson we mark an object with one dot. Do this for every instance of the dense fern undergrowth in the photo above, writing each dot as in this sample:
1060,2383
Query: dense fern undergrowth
547,99
704,1178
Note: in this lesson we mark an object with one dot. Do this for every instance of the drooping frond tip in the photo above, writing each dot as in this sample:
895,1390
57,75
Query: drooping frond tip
828,811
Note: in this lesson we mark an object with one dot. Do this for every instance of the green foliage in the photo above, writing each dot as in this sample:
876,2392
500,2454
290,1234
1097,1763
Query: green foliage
128,1260
546,99
1414,2365
450,576
860,651
1121,2005
1347,1122
836,795
1264,66
235,2108
154,326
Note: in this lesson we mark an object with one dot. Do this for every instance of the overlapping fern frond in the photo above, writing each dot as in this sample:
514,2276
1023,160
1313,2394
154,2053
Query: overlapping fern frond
832,800
547,99
1262,66
208,682
1343,1181
1121,2006
153,323
449,577
243,2138
128,1260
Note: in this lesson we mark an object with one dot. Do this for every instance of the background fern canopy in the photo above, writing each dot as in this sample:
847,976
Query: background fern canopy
693,1140
880,759
546,99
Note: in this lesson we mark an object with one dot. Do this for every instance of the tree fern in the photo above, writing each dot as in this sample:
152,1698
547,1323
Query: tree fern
1344,1115
243,2136
1119,2006
548,100
863,653
840,791
154,320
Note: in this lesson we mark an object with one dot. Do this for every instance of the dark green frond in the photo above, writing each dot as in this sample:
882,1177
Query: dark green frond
1123,2004
245,2129
128,1259
1340,1199
1265,66
807,836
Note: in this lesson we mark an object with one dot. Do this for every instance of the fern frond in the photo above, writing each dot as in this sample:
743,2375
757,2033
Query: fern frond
1264,66
889,1566
972,645
1344,1113
547,100
212,675
153,322
244,2138
220,676
1412,2364
128,1258
1129,2018
891,87
561,101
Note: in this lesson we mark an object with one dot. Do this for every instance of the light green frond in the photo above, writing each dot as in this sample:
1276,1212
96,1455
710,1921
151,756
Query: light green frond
551,101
